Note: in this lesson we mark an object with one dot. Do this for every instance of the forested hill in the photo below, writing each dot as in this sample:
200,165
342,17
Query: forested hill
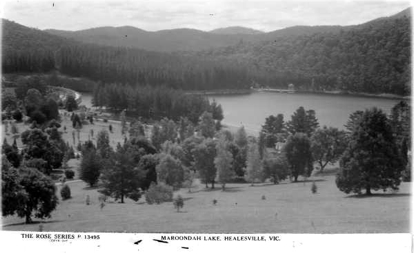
182,39
372,58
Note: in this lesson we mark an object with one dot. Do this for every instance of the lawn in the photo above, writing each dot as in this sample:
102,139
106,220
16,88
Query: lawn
287,208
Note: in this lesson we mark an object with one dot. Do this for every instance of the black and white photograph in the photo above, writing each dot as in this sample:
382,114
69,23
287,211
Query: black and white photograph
217,118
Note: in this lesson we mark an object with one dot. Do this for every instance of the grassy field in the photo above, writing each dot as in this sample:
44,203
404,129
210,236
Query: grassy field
287,208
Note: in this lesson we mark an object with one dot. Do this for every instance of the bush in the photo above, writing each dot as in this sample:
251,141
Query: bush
178,203
69,173
17,115
314,188
159,193
65,192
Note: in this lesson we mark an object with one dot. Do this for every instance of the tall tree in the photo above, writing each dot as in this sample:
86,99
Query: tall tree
253,164
170,171
303,121
104,148
327,145
91,167
122,176
273,129
298,153
204,155
207,125
223,162
371,160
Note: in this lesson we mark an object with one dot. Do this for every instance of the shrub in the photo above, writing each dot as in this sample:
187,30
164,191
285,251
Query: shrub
106,121
178,203
69,173
314,188
159,193
65,192
17,115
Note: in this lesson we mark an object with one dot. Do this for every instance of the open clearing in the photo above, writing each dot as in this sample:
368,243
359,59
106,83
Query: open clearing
288,208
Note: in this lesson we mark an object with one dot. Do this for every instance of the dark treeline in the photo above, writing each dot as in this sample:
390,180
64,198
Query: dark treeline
133,66
153,102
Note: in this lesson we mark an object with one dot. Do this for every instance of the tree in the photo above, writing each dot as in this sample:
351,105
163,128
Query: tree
400,119
353,121
11,153
303,121
170,171
123,120
241,139
223,162
188,146
8,100
253,164
14,196
33,82
185,129
38,194
136,129
371,160
276,168
273,128
147,165
91,167
178,202
33,101
207,125
216,110
239,159
121,177
204,155
327,145
39,146
298,153
70,103
103,144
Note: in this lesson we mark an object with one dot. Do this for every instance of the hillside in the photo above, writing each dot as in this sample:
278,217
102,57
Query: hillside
183,39
369,58
235,30
373,57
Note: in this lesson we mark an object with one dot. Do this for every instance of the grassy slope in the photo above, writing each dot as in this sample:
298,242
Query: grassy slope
288,208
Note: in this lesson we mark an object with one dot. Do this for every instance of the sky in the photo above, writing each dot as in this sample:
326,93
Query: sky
154,15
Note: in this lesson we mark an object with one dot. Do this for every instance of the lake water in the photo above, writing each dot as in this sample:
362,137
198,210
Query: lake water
251,110
331,110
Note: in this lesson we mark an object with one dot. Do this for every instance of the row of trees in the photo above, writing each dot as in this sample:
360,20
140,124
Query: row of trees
155,102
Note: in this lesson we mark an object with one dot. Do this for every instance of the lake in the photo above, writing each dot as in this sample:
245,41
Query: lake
250,110
331,110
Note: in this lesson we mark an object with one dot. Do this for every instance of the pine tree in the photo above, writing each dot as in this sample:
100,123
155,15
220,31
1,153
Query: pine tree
371,160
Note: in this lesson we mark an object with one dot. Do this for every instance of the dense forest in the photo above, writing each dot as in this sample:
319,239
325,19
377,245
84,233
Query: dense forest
372,58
